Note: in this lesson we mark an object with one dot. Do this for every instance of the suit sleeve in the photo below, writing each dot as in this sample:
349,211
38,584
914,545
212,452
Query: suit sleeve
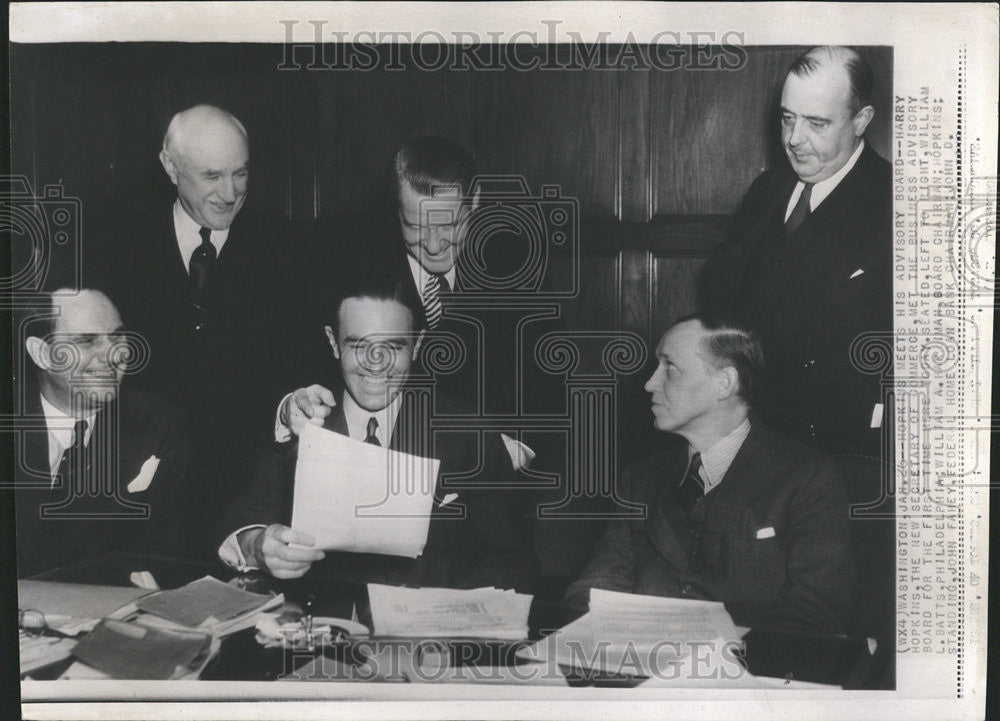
501,520
820,586
612,563
268,496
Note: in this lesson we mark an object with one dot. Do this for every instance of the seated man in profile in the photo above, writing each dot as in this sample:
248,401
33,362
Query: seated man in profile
735,512
374,334
110,470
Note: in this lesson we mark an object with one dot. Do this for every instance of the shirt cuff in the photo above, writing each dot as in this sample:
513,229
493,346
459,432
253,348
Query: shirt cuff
282,433
231,554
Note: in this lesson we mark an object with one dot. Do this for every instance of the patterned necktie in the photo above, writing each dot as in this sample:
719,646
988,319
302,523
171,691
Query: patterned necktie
72,457
372,427
202,260
800,212
433,287
692,487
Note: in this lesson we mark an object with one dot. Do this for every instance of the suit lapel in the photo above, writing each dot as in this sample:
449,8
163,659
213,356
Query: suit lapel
658,529
821,257
748,478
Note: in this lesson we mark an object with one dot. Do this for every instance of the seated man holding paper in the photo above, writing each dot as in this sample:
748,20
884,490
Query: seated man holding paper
735,513
388,500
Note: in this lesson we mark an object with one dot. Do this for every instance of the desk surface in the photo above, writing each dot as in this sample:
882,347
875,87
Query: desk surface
772,658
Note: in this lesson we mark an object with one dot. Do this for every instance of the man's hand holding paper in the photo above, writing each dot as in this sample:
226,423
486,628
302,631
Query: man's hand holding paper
284,552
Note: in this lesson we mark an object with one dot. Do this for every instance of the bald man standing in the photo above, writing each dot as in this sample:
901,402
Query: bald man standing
808,265
203,284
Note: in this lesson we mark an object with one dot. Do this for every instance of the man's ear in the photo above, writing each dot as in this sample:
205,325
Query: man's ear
728,382
39,352
416,346
861,119
168,164
332,340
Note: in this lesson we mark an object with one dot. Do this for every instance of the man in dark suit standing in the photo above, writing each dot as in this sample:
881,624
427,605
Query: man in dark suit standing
374,335
204,284
735,512
809,262
107,470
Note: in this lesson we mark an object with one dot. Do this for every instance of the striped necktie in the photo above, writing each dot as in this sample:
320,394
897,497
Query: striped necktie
433,287
692,487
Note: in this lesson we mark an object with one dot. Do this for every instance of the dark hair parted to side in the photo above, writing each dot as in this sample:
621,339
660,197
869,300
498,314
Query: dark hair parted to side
426,163
376,286
859,71
731,344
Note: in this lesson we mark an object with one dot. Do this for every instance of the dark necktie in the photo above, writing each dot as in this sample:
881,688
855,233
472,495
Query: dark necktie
202,260
434,286
372,427
800,212
692,487
72,457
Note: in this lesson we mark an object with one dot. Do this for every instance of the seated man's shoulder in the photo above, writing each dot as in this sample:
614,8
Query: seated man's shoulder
792,461
143,410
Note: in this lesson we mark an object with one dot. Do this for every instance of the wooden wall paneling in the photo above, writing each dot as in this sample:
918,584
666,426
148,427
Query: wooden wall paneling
879,132
673,291
635,189
365,116
553,127
709,132
301,141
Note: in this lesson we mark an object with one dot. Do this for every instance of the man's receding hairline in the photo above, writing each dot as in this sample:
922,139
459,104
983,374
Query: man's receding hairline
182,122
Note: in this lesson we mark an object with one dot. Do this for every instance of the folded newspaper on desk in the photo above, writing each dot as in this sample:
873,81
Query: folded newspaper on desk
362,498
208,605
637,635
448,612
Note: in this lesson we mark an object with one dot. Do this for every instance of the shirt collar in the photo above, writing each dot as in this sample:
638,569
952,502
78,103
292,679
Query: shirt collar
357,419
420,274
188,233
824,187
60,428
715,461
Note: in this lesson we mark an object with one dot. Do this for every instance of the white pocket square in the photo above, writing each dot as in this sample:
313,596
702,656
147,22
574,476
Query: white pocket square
855,274
763,533
520,453
447,499
141,482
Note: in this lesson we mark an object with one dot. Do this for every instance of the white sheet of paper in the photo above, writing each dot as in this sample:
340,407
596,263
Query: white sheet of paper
654,618
449,612
354,496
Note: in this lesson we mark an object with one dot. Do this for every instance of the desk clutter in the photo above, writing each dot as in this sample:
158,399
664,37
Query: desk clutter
132,633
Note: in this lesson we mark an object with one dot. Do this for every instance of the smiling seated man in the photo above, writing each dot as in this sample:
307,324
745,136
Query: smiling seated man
109,471
735,512
375,335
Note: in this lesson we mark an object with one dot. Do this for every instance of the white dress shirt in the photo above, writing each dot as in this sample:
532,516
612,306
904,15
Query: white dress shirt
188,234
60,433
824,187
420,275
716,460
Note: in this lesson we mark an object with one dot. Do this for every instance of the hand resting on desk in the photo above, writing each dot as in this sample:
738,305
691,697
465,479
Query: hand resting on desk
285,553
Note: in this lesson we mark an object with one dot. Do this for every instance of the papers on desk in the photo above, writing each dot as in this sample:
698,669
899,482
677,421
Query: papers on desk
449,613
72,608
362,498
135,651
209,605
39,651
639,635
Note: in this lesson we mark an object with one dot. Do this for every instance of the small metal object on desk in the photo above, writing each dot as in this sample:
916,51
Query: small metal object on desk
308,622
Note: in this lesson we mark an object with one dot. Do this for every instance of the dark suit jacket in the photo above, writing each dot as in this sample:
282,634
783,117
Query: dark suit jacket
158,517
801,579
809,301
489,546
219,365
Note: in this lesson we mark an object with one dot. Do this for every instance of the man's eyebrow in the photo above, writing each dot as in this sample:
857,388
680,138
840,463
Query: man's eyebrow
807,117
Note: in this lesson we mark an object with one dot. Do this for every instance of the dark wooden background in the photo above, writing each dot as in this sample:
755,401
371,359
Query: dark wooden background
657,159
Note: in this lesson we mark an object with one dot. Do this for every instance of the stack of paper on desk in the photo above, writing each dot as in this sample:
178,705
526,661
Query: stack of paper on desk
39,651
449,613
72,608
358,497
210,605
637,634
